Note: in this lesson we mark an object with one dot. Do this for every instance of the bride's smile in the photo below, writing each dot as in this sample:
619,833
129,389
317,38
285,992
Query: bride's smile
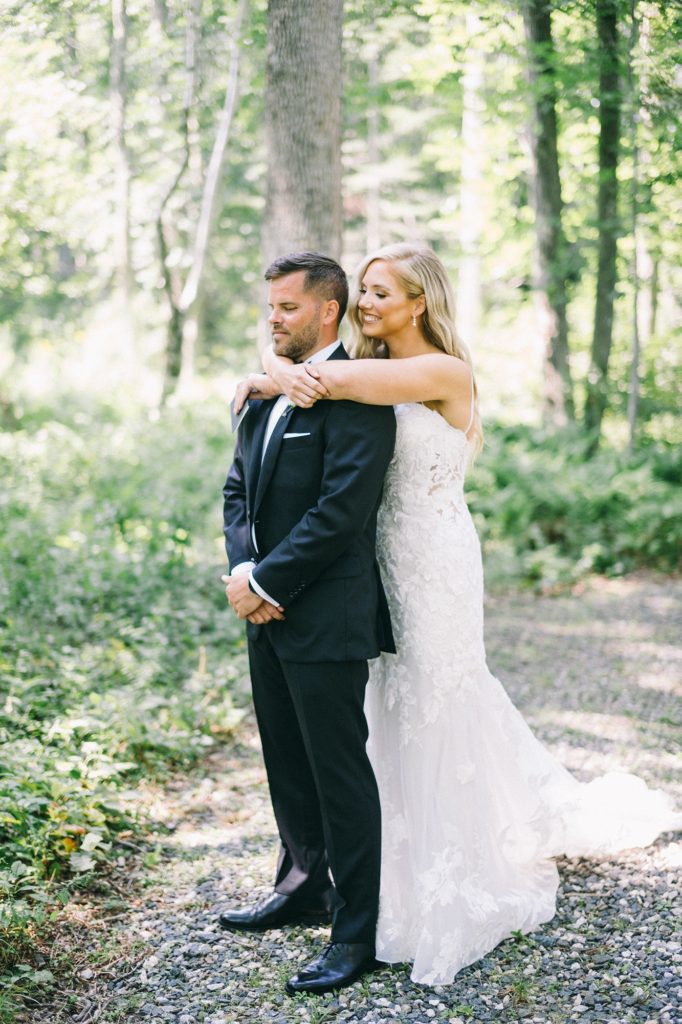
387,312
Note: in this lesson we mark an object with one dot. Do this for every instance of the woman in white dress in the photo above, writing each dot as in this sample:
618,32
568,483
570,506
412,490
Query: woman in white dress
474,808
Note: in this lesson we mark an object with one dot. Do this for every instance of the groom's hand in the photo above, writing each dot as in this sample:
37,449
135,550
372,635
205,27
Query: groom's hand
246,604
243,601
265,612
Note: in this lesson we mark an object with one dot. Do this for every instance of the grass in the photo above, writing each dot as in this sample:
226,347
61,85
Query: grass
117,653
119,660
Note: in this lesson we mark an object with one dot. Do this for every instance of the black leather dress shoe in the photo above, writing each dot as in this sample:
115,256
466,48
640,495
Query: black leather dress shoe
276,909
339,964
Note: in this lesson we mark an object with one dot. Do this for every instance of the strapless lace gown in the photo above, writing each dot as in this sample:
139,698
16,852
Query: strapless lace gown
473,806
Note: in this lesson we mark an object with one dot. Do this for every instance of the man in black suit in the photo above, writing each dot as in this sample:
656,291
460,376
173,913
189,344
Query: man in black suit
300,510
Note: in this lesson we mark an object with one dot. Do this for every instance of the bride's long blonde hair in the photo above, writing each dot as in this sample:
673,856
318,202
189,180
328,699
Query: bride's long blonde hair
419,272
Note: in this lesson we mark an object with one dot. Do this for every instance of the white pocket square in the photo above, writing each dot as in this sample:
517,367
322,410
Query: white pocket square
285,436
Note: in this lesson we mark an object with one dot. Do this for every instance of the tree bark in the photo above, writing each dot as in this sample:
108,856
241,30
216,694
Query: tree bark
303,128
607,214
550,266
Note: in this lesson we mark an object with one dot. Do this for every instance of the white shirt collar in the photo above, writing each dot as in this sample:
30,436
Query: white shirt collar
324,353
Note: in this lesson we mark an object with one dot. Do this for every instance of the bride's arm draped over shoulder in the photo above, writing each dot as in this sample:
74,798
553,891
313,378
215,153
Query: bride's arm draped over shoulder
293,380
434,377
256,385
443,380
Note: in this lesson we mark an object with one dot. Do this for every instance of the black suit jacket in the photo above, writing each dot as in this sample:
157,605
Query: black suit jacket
313,504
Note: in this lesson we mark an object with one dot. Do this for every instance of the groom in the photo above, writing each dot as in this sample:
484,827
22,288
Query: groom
300,513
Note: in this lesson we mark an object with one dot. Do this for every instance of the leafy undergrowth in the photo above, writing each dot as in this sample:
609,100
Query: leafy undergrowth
548,515
118,656
119,659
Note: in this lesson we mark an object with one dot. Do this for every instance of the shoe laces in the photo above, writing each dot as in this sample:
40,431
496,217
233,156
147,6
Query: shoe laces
259,904
329,950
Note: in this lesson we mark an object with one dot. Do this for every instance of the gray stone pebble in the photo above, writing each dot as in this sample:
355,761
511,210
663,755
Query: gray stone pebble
194,973
611,955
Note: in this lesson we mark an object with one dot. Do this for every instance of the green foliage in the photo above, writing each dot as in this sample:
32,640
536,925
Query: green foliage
118,657
547,515
405,156
117,652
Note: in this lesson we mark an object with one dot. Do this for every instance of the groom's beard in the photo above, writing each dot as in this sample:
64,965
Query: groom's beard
298,346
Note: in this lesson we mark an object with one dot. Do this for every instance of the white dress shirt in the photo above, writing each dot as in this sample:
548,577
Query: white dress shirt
277,410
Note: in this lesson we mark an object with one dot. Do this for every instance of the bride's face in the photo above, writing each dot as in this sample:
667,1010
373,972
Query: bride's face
385,310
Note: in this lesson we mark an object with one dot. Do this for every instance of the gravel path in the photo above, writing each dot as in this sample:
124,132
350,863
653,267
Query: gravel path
595,674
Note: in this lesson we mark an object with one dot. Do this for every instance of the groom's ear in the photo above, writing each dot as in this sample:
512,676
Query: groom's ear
330,311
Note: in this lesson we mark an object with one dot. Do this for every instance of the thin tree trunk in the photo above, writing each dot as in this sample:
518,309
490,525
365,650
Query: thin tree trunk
190,298
607,214
373,155
634,106
470,199
648,256
654,289
185,303
303,127
119,43
550,249
171,284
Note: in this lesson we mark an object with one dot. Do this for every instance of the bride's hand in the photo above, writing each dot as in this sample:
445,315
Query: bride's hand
299,383
256,385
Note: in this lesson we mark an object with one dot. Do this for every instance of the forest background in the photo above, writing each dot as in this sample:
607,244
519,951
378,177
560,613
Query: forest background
155,154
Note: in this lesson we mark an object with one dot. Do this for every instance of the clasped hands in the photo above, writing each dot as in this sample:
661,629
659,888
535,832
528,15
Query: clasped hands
300,382
248,605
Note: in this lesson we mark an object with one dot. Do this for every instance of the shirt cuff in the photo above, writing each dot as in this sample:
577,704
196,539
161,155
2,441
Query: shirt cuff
259,590
243,567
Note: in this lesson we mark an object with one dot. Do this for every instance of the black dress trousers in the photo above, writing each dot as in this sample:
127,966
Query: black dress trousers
324,794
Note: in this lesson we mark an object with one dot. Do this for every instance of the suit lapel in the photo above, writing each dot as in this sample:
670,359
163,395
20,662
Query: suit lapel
270,458
260,473
259,424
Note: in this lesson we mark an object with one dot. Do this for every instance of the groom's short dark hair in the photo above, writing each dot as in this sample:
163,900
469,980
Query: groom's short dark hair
323,275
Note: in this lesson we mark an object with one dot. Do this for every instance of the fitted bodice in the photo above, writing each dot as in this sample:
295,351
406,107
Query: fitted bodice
426,474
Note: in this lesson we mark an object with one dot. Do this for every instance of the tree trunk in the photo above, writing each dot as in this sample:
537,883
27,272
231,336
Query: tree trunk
185,304
654,289
303,128
164,233
119,43
470,198
373,155
160,12
190,300
634,107
607,214
550,244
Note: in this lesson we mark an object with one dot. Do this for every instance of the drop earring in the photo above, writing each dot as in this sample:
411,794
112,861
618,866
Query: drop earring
414,319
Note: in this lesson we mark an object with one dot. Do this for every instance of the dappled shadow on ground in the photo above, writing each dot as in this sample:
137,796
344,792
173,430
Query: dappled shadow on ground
599,673
574,666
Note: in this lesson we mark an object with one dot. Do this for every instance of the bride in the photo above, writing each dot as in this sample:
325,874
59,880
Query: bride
474,807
